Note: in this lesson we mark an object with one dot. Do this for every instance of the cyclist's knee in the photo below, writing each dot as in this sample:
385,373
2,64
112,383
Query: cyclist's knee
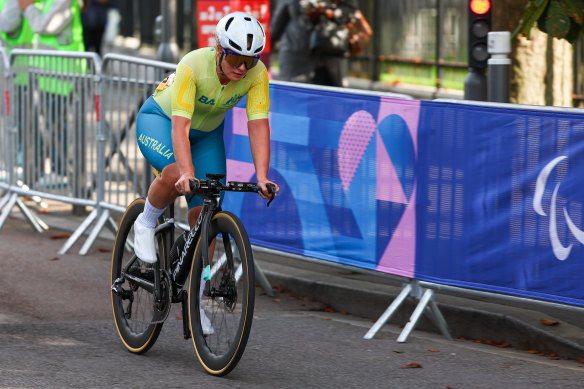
169,175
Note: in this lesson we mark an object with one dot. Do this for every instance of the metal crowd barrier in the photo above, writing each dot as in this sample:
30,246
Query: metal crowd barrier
51,96
4,112
126,83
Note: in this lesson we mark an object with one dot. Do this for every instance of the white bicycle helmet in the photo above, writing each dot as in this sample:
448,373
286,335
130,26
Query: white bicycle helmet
241,33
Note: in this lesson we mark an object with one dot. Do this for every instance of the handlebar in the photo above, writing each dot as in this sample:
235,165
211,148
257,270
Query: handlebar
213,186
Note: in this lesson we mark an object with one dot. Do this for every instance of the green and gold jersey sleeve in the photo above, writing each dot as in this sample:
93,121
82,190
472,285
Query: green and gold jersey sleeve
258,97
183,91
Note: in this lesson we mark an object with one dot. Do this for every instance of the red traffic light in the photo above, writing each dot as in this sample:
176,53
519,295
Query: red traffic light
480,7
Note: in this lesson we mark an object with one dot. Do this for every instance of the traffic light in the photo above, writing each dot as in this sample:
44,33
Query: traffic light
479,25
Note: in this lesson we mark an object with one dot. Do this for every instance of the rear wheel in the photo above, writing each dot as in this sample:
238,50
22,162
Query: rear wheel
220,321
138,315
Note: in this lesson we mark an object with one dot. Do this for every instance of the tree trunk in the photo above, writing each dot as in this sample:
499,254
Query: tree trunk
541,67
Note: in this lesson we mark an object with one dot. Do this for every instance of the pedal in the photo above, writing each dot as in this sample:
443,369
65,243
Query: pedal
185,313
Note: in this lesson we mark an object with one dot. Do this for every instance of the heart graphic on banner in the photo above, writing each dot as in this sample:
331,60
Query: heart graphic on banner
355,137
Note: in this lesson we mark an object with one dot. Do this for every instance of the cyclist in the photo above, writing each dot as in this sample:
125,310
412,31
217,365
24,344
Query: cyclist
180,127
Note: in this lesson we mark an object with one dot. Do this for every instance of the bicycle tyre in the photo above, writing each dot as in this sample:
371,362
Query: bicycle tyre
220,351
137,337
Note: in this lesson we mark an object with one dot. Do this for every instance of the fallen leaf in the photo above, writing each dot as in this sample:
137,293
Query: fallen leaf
102,250
179,318
412,365
548,322
580,359
532,351
434,351
276,300
504,344
329,309
344,313
398,352
327,318
60,236
53,259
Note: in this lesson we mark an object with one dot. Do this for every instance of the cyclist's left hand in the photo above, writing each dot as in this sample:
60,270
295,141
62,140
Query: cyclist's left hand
264,193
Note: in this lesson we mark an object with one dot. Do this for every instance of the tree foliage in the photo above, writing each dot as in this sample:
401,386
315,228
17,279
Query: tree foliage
563,19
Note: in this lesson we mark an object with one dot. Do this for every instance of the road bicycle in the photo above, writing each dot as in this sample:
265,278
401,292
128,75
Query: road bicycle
215,256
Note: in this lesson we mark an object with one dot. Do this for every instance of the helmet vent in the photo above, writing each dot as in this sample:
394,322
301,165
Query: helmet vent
235,45
228,23
249,41
259,50
247,18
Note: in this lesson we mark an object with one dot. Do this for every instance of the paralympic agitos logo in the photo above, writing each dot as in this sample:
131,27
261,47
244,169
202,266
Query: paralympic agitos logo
560,251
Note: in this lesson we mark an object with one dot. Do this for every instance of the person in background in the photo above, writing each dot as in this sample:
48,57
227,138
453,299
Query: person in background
301,56
56,23
94,18
57,26
15,31
291,26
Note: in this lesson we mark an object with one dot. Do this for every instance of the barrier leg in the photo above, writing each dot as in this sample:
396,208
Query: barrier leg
36,222
5,200
111,224
406,290
439,320
79,231
9,201
263,280
103,219
426,304
9,204
426,297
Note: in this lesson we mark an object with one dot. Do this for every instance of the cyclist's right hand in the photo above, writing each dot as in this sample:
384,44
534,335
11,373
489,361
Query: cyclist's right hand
183,186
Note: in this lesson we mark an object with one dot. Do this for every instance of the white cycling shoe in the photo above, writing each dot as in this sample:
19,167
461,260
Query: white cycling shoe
206,324
144,243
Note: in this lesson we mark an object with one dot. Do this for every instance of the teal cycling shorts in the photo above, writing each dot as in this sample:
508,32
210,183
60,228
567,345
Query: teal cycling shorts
153,131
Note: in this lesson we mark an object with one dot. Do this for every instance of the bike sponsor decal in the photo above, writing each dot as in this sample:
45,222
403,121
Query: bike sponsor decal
188,242
560,251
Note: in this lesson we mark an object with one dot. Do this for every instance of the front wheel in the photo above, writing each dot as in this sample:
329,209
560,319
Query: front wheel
221,315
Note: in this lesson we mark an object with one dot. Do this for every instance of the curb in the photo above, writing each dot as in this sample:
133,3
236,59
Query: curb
464,323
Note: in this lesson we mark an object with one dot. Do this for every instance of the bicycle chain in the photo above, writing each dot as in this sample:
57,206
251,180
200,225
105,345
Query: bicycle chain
166,281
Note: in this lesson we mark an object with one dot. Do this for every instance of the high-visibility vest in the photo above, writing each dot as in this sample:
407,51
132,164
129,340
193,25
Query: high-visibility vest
21,38
70,39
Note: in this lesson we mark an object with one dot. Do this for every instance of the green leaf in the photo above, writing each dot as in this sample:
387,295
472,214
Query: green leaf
575,9
555,21
535,8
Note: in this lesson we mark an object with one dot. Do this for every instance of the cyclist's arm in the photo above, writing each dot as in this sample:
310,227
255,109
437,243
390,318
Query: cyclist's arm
259,141
183,106
182,153
258,126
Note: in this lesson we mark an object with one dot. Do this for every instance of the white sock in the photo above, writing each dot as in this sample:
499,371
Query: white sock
150,215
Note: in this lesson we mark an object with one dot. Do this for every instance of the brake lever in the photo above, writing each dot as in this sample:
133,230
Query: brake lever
272,190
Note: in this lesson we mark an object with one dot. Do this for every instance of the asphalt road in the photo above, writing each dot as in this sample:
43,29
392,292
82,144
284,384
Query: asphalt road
56,331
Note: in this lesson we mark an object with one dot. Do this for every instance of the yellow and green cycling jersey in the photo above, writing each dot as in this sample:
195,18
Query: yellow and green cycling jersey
194,91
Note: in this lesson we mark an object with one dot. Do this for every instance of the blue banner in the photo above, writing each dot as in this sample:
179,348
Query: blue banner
346,166
472,196
501,200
